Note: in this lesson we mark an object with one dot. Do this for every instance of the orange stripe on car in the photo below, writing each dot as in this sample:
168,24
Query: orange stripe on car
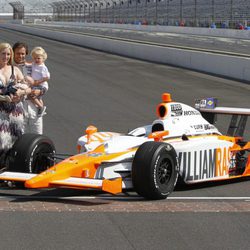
74,166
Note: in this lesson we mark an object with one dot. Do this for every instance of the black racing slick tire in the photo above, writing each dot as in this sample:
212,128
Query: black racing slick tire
31,153
154,170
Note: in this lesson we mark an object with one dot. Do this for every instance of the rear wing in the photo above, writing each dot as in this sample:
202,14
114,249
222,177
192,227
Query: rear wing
209,110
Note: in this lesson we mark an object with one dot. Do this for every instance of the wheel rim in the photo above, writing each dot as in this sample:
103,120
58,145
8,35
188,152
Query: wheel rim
164,172
41,160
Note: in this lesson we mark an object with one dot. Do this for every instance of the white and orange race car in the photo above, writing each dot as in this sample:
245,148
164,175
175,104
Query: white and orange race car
182,142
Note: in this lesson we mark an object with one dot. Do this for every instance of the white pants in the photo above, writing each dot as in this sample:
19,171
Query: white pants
32,122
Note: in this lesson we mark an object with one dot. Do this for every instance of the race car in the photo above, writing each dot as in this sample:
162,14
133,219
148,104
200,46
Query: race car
182,143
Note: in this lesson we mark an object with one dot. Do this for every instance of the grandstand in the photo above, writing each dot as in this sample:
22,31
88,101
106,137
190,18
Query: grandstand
163,12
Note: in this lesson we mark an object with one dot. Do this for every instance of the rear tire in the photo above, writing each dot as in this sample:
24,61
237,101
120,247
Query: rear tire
154,170
31,153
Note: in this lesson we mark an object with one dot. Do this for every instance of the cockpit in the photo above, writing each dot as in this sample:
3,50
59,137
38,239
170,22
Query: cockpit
178,119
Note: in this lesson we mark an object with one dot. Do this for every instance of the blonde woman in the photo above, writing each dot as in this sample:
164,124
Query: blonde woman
11,109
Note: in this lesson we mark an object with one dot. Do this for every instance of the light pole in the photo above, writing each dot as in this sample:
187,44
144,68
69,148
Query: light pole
121,16
181,11
66,10
85,5
56,10
75,7
81,5
60,9
231,12
98,1
128,17
156,12
69,12
146,9
113,8
86,15
167,12
213,12
136,5
71,6
108,12
119,10
90,3
106,9
195,13
101,7
79,9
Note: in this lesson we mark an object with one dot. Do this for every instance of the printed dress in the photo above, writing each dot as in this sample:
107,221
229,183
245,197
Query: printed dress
11,123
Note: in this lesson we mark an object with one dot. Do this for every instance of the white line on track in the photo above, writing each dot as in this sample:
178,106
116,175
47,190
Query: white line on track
119,198
208,198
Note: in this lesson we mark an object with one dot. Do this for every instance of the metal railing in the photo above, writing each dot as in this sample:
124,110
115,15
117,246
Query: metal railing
223,13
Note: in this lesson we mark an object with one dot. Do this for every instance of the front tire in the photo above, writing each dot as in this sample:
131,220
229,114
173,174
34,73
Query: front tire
31,153
154,170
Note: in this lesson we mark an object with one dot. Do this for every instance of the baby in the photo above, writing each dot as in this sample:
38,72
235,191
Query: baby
6,92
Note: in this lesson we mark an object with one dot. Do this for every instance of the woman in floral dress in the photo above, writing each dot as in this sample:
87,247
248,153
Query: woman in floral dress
11,108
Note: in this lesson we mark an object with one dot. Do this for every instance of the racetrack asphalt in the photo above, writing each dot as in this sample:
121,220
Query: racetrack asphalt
118,94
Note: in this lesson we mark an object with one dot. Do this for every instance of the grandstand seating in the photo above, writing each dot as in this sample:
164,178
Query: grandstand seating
173,12
168,12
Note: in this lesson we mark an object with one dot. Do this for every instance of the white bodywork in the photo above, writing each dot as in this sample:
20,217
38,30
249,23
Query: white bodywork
197,155
182,119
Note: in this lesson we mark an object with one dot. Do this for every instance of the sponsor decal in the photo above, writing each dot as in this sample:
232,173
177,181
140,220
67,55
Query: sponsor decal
208,103
191,112
168,147
208,126
203,126
205,164
200,103
155,172
211,103
197,127
176,110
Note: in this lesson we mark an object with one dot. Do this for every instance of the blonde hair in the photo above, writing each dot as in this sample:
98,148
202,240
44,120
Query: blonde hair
39,51
4,46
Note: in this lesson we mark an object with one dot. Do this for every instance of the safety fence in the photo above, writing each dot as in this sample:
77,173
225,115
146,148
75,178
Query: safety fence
194,13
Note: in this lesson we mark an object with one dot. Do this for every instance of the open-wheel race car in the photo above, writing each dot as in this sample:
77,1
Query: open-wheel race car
181,143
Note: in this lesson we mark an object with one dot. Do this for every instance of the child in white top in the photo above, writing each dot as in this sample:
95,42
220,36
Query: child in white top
40,75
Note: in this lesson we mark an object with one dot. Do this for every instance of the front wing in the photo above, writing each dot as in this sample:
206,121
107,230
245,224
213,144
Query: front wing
113,186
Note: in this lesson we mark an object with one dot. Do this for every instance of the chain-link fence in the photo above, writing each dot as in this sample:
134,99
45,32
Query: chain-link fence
223,13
